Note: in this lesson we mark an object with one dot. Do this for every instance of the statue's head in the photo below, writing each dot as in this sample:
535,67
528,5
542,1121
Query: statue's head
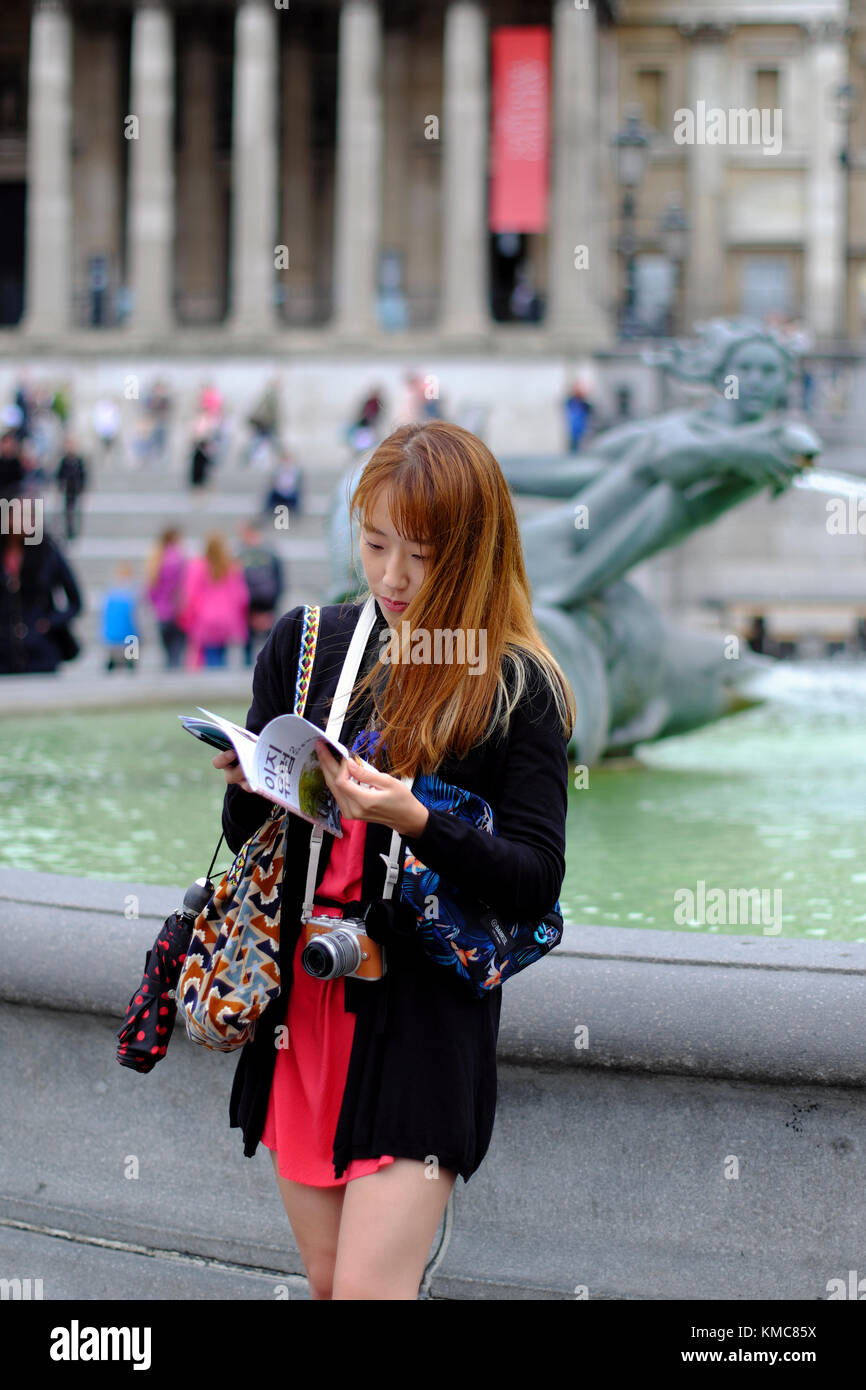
751,366
754,373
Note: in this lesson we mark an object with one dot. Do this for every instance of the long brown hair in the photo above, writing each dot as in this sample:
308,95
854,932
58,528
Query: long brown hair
170,536
218,556
445,489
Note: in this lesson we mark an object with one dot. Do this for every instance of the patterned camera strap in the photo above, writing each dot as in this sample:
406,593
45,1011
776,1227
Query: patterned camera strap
342,694
309,636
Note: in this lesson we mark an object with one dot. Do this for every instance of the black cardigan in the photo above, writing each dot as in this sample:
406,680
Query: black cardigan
422,1070
23,648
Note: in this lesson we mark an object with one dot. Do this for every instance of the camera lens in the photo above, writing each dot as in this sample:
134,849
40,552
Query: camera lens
316,960
331,955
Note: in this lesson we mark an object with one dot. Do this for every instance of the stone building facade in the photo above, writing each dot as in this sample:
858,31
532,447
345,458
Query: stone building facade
244,174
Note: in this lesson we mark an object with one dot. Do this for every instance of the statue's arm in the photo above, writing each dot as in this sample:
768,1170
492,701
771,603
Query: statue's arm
627,445
753,454
702,507
545,479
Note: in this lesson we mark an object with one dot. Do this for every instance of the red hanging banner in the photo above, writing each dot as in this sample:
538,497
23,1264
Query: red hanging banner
520,128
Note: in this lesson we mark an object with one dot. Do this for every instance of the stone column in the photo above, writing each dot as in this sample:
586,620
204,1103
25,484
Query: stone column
358,203
465,297
201,232
48,273
297,226
825,269
705,263
151,170
97,162
252,273
579,215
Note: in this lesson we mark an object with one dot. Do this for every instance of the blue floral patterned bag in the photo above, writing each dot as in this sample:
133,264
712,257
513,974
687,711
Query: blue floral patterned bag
460,933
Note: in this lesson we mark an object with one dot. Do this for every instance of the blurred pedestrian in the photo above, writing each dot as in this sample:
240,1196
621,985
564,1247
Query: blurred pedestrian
215,604
286,486
577,409
525,303
264,422
410,405
60,403
372,409
106,426
72,481
35,635
46,434
200,461
24,403
164,580
210,402
158,408
12,471
211,419
361,433
432,406
265,581
756,635
120,633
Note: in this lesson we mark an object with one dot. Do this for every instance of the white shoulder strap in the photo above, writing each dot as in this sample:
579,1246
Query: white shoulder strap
342,695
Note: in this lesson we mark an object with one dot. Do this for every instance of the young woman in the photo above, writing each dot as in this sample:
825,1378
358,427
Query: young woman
166,568
386,1090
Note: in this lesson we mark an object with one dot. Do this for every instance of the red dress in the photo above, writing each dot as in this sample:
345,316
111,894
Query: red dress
310,1074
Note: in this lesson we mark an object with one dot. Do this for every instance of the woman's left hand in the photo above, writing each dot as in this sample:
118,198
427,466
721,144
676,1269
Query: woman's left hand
379,797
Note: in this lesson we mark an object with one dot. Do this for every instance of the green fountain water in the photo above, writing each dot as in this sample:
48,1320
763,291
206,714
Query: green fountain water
771,799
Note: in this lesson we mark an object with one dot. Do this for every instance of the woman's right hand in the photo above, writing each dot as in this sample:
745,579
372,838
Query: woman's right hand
227,762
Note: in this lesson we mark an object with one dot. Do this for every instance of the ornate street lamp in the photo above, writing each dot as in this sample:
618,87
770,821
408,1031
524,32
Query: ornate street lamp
632,146
844,107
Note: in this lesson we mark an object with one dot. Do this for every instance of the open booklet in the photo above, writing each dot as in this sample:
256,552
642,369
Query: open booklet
281,763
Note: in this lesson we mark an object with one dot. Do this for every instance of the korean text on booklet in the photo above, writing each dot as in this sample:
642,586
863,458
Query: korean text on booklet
281,763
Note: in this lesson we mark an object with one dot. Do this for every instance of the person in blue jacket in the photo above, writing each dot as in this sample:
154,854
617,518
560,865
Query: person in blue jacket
120,633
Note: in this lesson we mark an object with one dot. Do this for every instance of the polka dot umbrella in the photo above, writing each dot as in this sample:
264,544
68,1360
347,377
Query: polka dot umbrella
152,1010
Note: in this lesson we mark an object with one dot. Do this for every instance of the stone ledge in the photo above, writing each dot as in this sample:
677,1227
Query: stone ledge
608,1167
749,1008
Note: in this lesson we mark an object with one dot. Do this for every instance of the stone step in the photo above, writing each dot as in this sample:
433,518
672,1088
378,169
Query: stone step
88,624
98,503
305,585
100,574
318,478
145,520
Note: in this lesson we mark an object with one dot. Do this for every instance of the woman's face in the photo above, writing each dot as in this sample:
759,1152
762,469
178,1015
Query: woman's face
762,379
395,568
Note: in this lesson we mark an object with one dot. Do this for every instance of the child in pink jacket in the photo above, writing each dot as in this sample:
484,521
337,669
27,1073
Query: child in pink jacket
215,605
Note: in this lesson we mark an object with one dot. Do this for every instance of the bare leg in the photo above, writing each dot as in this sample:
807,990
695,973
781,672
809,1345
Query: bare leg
314,1216
387,1227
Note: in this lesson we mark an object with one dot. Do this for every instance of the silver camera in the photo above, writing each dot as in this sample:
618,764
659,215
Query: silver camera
338,946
